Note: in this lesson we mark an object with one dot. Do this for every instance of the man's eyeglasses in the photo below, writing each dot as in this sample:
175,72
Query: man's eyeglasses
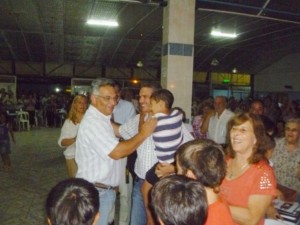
108,98
292,130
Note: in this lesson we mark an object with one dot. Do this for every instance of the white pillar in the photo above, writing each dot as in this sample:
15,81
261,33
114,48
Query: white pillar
178,52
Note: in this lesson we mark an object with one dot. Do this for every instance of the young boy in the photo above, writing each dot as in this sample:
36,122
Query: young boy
167,138
73,201
204,161
178,200
5,130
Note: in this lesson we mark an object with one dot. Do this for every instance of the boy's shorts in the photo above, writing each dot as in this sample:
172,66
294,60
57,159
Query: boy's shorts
151,177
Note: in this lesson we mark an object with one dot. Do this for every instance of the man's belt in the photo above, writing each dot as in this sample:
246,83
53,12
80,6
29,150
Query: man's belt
104,186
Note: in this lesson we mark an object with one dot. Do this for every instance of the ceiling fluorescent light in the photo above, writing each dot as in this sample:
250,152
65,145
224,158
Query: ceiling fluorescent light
222,34
108,23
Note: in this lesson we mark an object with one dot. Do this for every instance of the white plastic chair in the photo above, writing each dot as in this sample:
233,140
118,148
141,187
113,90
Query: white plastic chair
23,120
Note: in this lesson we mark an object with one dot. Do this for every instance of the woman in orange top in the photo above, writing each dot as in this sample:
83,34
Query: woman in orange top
249,185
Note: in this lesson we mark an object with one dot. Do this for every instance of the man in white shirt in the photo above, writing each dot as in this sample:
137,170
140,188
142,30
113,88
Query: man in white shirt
98,149
123,111
146,156
217,127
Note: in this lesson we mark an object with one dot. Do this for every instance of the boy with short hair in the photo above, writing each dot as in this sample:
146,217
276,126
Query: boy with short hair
74,201
204,161
167,138
178,200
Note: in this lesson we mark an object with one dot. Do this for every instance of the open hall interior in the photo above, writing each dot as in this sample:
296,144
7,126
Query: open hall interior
48,49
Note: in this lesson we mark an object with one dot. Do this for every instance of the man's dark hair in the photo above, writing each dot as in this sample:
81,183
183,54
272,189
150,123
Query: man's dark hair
178,200
73,201
205,159
257,101
117,84
163,95
153,86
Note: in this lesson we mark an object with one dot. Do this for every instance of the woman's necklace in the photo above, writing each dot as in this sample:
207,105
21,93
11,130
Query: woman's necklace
231,173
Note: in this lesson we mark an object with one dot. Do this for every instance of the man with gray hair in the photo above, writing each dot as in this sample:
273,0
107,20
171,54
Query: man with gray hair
98,149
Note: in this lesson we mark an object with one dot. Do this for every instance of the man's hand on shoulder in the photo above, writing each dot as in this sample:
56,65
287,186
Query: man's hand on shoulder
148,126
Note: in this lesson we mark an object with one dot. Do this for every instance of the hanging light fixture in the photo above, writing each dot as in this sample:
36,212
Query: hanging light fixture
108,23
218,33
139,64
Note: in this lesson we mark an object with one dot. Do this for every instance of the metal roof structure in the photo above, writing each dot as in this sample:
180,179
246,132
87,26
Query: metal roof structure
47,31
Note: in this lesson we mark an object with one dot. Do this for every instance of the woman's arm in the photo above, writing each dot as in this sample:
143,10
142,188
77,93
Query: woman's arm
257,208
67,141
68,134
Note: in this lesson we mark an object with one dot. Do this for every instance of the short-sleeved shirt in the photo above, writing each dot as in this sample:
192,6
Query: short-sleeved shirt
68,130
217,127
95,141
123,111
285,165
167,135
258,179
146,156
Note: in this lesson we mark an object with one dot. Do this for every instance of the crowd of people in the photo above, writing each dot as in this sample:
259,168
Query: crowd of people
48,110
227,170
242,157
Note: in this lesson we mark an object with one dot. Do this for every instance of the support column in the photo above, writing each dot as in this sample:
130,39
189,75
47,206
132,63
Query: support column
178,52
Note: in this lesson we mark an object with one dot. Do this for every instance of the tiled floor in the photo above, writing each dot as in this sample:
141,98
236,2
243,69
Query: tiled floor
38,165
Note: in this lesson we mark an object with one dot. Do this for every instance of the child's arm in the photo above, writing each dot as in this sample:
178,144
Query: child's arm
165,169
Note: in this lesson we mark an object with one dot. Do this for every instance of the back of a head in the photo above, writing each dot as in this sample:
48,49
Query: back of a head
178,200
73,201
205,159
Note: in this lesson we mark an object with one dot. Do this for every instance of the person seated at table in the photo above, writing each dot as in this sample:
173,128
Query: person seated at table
249,185
178,200
286,160
74,201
